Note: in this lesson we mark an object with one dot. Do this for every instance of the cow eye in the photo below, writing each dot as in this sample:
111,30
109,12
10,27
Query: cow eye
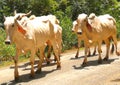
12,25
85,20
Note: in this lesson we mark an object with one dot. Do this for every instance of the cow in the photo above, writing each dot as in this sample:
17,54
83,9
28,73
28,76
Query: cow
95,30
80,38
57,30
30,37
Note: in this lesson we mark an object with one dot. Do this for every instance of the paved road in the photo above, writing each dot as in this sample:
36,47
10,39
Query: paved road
71,73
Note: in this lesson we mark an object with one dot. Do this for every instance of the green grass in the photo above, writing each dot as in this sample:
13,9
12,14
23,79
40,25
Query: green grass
11,62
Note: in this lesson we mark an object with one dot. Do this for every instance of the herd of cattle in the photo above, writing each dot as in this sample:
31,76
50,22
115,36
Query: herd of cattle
35,33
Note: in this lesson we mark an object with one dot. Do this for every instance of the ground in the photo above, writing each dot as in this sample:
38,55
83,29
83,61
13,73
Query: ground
71,73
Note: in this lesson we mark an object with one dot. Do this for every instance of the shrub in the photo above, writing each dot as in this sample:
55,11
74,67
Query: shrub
69,39
5,50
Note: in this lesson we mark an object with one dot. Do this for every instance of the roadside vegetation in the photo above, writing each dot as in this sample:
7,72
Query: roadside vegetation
65,10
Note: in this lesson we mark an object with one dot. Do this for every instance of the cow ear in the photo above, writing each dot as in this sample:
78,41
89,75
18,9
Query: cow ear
88,25
20,28
77,21
57,21
51,25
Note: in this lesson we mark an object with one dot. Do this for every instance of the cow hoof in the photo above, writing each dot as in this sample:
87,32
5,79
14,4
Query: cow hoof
16,79
100,61
89,55
118,53
38,71
48,56
84,64
58,67
93,54
105,59
76,56
54,60
48,62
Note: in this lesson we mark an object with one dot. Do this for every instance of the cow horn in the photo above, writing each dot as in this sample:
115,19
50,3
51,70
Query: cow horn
4,17
28,13
15,12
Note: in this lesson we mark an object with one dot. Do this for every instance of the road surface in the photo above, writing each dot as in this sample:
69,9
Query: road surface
71,73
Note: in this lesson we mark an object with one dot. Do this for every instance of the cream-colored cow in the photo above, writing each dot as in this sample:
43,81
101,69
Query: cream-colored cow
31,36
95,30
57,30
80,38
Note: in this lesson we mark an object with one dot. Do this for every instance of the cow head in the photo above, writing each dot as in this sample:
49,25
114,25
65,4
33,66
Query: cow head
79,24
13,29
9,28
19,16
83,23
75,28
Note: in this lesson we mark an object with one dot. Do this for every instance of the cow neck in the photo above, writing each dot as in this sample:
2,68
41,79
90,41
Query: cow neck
17,35
88,33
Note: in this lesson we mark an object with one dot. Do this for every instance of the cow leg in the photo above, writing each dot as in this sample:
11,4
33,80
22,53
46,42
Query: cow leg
42,56
16,74
76,56
46,58
60,48
107,49
59,41
94,52
85,58
79,41
99,51
48,54
49,51
89,53
115,43
32,60
56,52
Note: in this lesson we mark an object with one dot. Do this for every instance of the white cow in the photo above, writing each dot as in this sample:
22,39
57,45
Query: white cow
30,37
96,29
57,30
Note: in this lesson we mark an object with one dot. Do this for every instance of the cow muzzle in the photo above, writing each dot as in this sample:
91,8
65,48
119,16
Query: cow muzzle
72,30
80,33
8,42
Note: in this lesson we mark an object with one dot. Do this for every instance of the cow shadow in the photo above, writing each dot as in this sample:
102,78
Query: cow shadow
94,63
73,58
27,78
36,63
116,80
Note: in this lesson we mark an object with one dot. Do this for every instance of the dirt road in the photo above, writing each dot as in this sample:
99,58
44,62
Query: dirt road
71,73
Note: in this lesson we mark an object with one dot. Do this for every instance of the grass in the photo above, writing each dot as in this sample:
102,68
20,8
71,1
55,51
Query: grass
11,62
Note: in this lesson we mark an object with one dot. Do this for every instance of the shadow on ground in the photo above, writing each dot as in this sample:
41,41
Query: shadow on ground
116,80
94,63
36,63
26,77
82,57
